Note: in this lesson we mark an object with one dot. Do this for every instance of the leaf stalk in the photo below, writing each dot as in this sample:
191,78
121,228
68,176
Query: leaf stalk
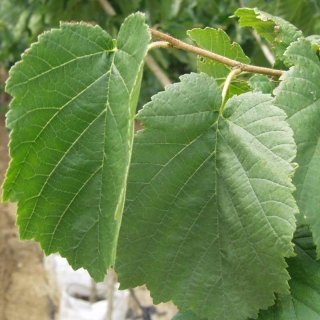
235,71
159,44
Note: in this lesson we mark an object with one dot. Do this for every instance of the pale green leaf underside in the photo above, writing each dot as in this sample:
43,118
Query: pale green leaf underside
209,214
304,301
217,41
299,96
315,40
72,130
278,32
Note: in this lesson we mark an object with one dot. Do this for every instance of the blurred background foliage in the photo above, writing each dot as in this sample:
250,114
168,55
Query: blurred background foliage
21,21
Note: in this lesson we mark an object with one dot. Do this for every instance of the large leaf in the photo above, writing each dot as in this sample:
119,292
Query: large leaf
189,315
299,96
304,301
72,129
278,32
217,41
209,215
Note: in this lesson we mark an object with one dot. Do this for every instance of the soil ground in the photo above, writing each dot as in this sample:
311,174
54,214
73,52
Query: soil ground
25,293
23,286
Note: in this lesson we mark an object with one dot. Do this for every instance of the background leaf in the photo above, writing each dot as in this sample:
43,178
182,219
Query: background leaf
209,203
217,41
302,13
304,301
72,130
299,96
261,83
277,31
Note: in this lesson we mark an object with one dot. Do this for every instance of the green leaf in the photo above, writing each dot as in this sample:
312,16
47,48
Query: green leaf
209,214
189,315
217,41
315,41
128,7
261,83
297,12
278,32
299,96
75,96
163,11
304,301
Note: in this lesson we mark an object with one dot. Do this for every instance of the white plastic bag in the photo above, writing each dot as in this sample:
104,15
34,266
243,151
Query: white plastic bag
72,307
74,288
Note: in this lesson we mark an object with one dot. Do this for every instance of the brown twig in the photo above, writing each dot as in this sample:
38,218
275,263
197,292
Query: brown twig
264,48
107,7
213,56
110,282
157,71
93,292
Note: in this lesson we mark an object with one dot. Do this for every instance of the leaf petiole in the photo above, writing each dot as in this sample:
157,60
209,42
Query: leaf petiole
234,72
159,44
